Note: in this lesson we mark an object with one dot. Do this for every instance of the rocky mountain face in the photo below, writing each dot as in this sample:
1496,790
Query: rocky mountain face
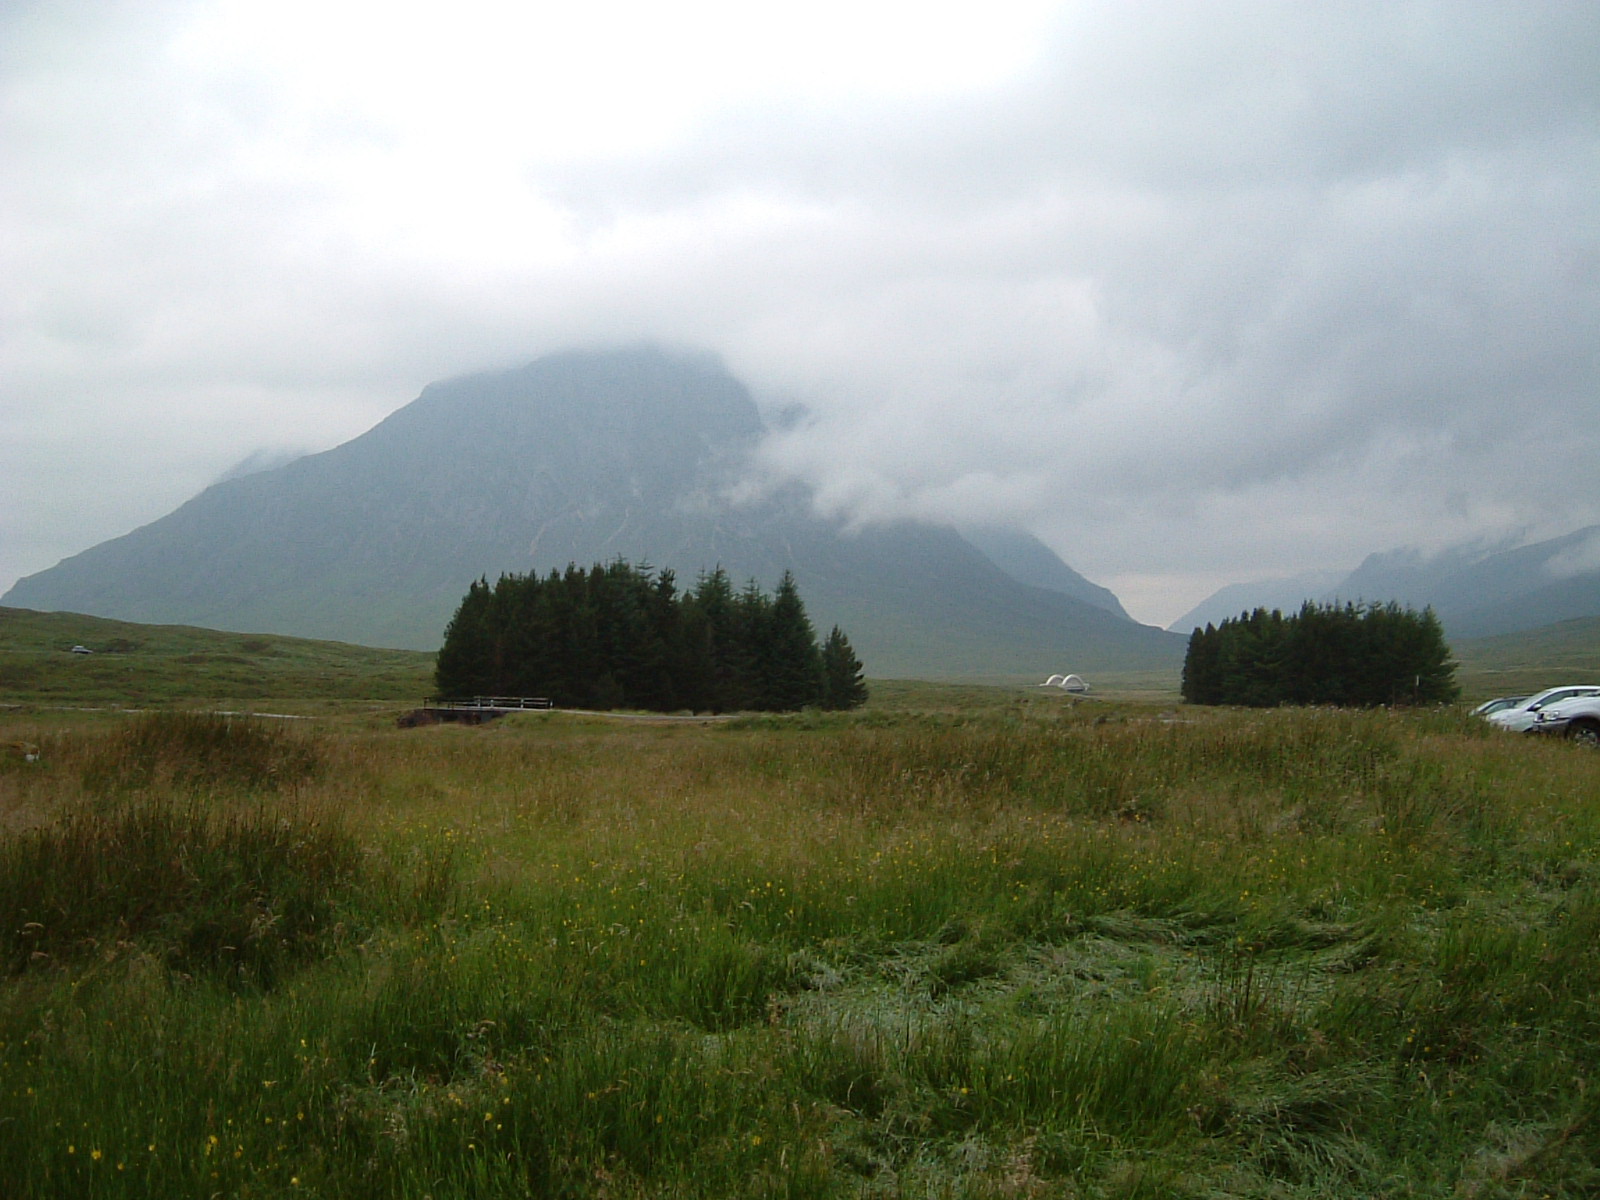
582,457
1477,591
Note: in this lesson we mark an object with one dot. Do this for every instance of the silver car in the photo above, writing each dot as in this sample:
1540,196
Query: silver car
1498,704
1577,717
1521,718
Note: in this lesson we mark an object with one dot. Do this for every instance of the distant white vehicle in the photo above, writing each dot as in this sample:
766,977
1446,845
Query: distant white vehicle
1522,717
81,650
1067,683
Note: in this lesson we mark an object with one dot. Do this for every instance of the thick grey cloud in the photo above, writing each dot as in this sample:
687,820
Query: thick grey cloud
1198,292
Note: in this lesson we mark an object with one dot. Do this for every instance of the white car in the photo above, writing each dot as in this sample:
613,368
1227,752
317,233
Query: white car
1577,716
1521,718
1499,703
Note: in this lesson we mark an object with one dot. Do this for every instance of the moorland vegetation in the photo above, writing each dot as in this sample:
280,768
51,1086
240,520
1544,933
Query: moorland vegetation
133,664
965,943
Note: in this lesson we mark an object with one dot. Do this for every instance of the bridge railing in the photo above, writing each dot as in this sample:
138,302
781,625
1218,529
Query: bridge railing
497,703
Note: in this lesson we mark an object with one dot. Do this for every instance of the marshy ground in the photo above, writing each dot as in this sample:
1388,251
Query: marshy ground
1020,948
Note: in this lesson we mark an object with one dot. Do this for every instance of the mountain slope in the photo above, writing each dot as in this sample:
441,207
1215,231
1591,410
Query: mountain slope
1028,560
1477,591
1284,594
1484,592
577,457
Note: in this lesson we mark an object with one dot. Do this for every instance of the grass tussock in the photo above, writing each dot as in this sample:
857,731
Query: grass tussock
1022,952
197,751
243,893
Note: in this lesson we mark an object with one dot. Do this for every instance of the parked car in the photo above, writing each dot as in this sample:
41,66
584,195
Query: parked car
1578,717
1490,707
1520,719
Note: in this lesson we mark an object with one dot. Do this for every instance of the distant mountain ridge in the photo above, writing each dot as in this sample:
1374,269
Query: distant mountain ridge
1028,560
1286,594
579,457
1477,591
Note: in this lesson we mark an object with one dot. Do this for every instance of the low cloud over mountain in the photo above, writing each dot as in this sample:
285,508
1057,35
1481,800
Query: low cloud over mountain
583,457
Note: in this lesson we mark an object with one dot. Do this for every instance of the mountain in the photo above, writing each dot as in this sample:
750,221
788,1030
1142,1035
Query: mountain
1409,572
1477,590
1482,593
581,456
1286,594
1028,560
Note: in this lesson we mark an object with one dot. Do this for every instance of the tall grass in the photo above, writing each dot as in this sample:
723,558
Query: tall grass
1006,954
188,751
243,893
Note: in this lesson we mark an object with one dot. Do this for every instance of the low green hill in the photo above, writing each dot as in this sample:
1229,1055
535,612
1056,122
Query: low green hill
173,664
1566,652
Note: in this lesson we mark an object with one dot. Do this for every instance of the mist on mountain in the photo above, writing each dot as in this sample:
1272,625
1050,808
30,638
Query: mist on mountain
1478,589
584,456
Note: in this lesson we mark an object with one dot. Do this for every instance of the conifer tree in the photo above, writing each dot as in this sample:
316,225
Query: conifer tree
462,668
750,653
791,663
711,628
842,683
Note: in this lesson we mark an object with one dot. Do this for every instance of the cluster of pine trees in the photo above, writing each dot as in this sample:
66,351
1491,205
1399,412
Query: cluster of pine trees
1353,655
623,636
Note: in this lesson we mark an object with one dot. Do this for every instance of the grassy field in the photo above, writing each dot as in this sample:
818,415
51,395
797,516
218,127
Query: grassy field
178,664
966,942
1567,652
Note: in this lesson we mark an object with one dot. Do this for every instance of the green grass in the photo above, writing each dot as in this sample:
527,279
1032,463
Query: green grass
176,664
1000,945
1567,652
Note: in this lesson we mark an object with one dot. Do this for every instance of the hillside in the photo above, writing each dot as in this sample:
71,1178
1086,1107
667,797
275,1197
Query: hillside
1527,661
1478,591
160,664
1482,592
578,457
1286,595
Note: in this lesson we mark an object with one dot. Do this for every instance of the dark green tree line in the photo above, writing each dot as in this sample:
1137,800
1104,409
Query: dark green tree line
1355,655
623,636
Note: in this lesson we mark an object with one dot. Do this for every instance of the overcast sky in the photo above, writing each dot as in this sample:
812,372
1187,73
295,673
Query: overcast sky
1198,292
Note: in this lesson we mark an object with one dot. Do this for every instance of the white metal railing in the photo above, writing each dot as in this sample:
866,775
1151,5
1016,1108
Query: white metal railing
497,703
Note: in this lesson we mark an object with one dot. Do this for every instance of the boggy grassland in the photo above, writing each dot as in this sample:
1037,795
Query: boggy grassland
1029,950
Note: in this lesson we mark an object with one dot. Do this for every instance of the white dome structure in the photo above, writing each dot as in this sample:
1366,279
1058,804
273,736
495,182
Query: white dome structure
1067,683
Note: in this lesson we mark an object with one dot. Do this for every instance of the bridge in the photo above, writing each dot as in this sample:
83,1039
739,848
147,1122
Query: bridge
473,710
